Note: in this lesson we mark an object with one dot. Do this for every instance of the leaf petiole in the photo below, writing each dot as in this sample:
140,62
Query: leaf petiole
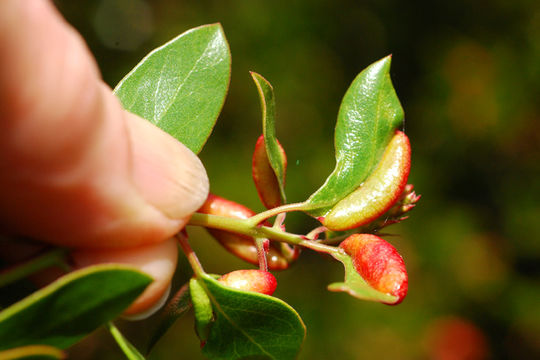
127,348
260,217
314,234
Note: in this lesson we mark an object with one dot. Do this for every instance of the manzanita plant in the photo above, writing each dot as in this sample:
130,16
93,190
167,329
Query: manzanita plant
181,88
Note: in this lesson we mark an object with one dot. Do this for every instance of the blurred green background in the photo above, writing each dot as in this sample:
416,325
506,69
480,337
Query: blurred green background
468,76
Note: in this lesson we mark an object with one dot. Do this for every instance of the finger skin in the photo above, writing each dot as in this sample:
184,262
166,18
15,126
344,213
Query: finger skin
157,260
78,170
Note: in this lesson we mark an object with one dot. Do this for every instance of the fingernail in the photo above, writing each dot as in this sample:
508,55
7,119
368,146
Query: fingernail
169,175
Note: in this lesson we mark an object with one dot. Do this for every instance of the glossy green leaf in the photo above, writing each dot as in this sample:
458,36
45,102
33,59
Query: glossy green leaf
181,86
277,159
251,325
369,115
355,285
176,308
202,308
33,352
127,348
71,307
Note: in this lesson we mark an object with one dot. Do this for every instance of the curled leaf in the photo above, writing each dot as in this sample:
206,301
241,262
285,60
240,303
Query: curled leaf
264,177
378,264
369,115
378,193
272,148
250,280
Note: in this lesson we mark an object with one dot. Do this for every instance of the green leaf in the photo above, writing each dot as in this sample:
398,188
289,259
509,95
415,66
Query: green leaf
181,86
33,352
71,307
355,285
177,307
276,157
251,325
202,307
369,115
127,348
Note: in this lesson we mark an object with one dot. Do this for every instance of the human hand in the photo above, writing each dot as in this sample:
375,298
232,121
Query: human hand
78,170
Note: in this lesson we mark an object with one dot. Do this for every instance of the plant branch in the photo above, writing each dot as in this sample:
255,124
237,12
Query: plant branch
190,254
246,227
55,257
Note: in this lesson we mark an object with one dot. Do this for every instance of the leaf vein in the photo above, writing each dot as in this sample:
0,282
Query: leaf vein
181,85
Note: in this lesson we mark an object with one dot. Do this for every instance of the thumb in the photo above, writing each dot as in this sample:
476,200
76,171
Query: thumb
78,170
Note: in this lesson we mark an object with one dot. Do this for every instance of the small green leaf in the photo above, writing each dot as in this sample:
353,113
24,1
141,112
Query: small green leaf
127,348
33,352
181,86
251,325
369,115
355,285
71,307
276,157
202,308
177,307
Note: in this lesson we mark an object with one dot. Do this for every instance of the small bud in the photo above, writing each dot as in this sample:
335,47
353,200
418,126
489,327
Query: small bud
250,280
240,245
397,213
264,176
407,201
379,264
378,193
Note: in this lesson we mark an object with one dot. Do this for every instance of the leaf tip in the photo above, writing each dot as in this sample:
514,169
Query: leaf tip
383,64
216,25
258,78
